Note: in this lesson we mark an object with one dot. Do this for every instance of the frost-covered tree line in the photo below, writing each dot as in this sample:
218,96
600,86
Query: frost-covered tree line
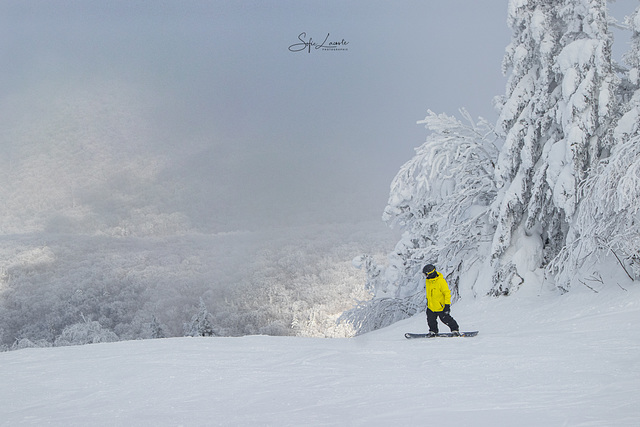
60,290
552,186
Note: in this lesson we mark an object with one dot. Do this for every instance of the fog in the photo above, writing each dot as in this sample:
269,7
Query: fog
201,110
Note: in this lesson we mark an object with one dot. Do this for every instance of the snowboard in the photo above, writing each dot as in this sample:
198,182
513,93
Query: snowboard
441,334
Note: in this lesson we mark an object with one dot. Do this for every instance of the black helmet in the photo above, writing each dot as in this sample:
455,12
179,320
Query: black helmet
430,271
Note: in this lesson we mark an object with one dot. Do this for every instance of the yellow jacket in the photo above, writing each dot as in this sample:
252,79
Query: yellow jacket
438,293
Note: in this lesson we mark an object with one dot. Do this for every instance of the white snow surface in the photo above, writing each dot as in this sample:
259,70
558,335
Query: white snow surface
540,360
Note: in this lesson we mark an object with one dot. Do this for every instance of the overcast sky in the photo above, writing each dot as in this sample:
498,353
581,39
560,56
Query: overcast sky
315,134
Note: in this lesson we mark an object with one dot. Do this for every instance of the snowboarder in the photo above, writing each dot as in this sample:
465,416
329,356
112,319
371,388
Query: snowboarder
438,301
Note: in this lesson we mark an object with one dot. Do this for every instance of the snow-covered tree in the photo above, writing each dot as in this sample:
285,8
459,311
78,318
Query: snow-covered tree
525,115
556,118
587,108
607,221
157,329
201,324
85,332
440,199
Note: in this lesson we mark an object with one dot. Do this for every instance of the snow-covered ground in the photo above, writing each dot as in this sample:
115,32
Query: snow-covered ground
544,360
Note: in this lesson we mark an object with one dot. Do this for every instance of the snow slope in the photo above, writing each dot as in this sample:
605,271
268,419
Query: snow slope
543,360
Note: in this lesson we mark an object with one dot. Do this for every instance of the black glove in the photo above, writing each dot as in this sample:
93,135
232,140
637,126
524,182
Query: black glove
447,308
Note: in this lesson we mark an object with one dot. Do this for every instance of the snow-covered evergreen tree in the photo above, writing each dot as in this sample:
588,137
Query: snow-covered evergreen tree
608,218
201,324
525,122
157,329
556,117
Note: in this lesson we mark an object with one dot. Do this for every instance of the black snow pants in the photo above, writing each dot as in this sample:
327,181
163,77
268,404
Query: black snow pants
432,320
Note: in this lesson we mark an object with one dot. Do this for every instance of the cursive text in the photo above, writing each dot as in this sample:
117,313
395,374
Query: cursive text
310,43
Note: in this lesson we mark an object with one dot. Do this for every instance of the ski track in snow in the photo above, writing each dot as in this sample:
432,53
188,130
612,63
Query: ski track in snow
570,360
